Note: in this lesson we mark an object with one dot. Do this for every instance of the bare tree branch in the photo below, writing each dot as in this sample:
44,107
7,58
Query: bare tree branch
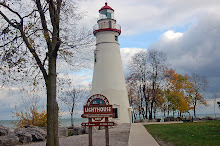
10,41
15,24
4,5
44,24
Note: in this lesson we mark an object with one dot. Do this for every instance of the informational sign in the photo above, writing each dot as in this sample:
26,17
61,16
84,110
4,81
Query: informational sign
98,108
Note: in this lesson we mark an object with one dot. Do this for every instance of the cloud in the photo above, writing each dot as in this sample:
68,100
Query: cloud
126,55
146,15
171,35
8,100
196,50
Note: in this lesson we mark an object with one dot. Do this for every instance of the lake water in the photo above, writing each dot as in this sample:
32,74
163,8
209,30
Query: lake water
64,122
78,121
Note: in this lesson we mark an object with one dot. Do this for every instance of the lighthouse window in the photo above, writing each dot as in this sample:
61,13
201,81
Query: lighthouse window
116,38
109,15
103,14
115,111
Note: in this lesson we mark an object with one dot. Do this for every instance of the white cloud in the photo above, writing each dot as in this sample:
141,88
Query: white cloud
126,55
171,35
78,79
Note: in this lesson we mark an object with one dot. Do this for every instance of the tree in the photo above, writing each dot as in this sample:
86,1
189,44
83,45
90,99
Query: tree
157,67
138,67
71,98
28,111
149,68
199,85
133,94
178,91
34,33
215,96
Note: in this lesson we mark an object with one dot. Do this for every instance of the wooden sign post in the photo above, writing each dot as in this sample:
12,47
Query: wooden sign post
98,108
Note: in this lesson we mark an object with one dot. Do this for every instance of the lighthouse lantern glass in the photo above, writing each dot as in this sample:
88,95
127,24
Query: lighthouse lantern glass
106,14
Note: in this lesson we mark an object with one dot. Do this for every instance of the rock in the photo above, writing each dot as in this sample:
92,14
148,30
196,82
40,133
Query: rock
9,140
85,130
3,130
63,131
23,135
77,131
37,133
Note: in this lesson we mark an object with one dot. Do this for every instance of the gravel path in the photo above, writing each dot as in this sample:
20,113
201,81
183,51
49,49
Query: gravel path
119,136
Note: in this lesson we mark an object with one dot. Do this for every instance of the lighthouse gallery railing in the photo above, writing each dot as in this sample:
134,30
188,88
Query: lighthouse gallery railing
107,26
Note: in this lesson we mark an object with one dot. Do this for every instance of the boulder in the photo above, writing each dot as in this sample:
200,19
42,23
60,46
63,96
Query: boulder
77,131
37,133
63,131
9,140
23,135
3,130
85,129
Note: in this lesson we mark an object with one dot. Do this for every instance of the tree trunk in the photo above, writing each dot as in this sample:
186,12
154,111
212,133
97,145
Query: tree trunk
72,124
194,108
140,116
52,106
142,111
155,113
151,111
146,110
146,101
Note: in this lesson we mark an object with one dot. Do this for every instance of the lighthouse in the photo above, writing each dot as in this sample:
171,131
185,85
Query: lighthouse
108,77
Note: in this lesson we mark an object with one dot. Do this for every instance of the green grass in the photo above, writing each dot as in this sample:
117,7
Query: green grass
188,134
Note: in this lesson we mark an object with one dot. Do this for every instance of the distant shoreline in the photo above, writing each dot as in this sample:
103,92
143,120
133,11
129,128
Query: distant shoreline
77,121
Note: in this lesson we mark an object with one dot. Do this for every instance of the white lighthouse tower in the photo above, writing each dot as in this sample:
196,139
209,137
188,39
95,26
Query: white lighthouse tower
108,77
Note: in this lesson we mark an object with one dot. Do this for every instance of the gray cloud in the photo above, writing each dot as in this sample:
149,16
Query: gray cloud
146,15
197,50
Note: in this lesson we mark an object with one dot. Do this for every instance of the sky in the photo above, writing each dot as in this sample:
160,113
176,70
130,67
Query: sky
186,30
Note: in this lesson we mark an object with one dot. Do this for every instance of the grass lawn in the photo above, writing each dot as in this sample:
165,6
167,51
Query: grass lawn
187,134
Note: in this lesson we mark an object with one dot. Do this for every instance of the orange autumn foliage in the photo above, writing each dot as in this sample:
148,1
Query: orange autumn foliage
178,91
30,118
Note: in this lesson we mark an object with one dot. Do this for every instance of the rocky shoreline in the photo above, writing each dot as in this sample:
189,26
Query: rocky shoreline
21,135
36,136
26,135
